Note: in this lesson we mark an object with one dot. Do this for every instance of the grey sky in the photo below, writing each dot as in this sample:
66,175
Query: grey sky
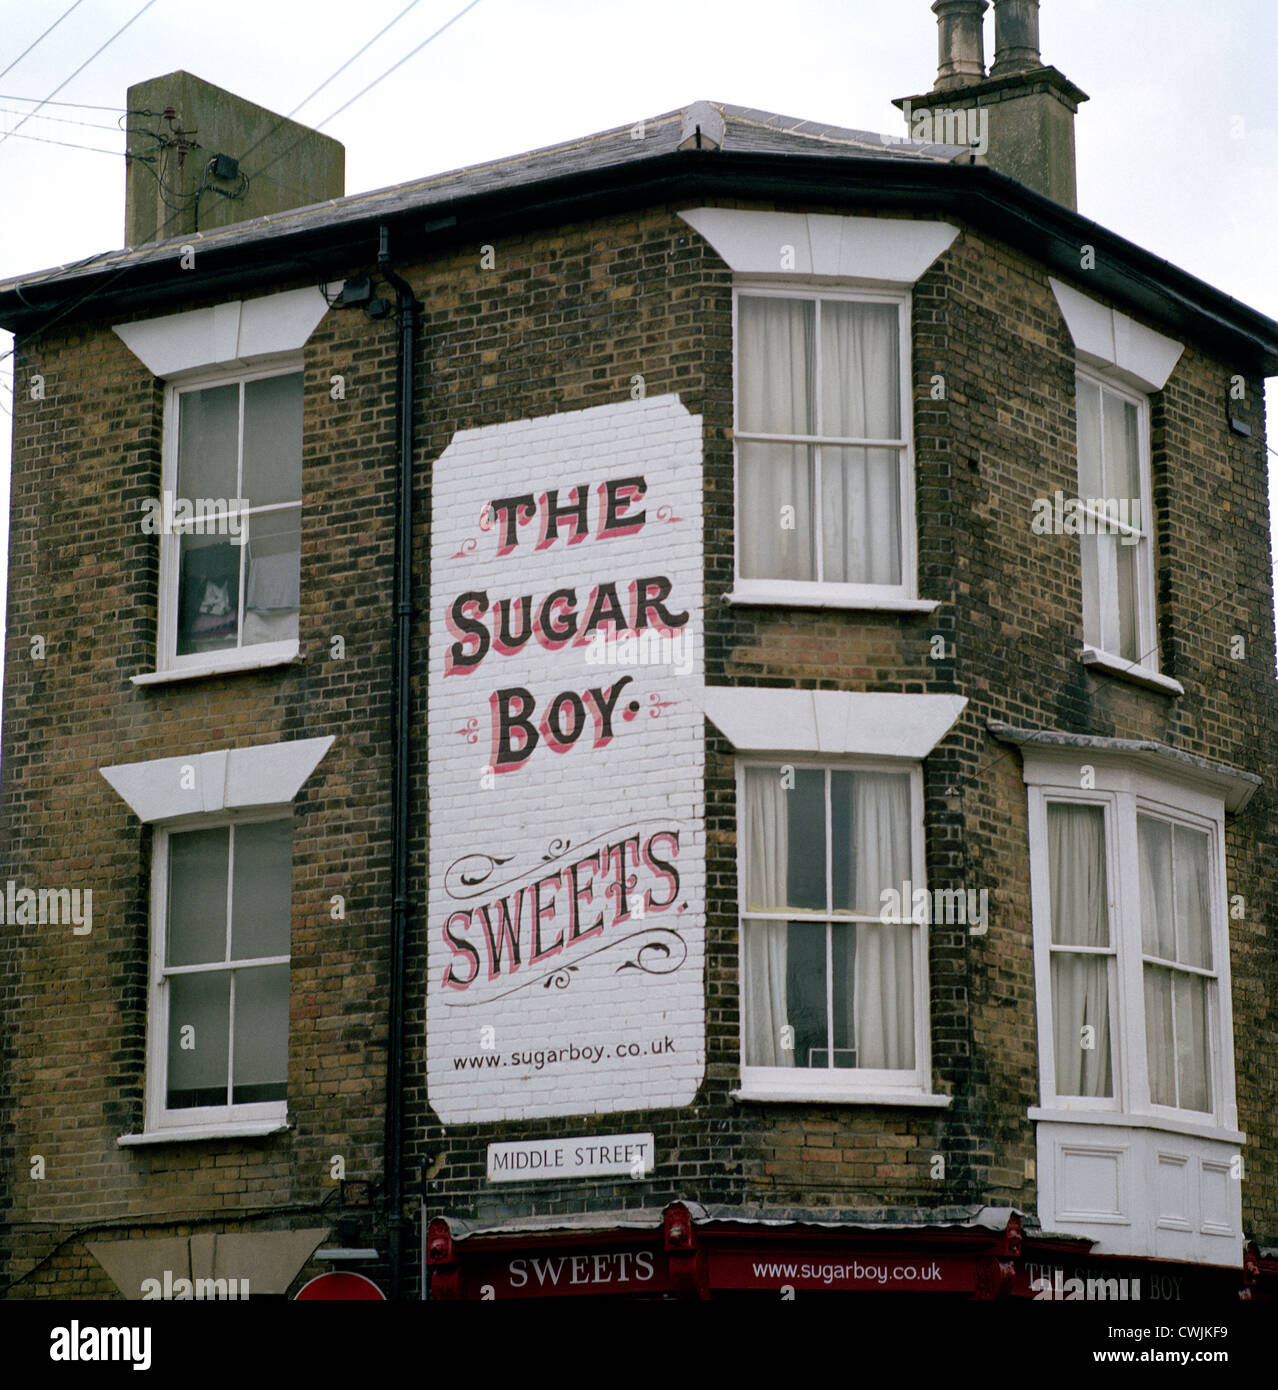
1177,148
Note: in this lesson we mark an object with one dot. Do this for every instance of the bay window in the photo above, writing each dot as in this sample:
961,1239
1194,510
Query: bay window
1136,1129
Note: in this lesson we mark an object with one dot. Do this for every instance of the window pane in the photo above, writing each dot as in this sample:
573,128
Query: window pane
843,867
208,442
806,993
777,539
1159,1035
764,995
197,897
261,1034
785,839
261,897
274,573
1080,1019
805,807
1193,898
767,839
774,365
273,440
1191,1041
208,593
1093,627
842,984
883,996
1122,457
199,1020
1076,868
880,845
1089,440
860,515
860,370
1157,918
1128,598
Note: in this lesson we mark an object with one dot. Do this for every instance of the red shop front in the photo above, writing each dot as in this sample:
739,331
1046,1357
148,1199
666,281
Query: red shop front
690,1251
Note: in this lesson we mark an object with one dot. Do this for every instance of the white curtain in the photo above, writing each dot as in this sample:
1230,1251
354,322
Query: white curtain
764,988
1080,917
775,395
883,988
860,399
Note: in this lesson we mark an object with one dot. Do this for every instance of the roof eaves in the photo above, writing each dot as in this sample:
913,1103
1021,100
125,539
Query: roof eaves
284,243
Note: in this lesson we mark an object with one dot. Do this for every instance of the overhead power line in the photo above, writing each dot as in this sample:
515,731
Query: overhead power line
68,144
412,54
81,68
45,35
365,90
64,120
411,6
56,315
79,105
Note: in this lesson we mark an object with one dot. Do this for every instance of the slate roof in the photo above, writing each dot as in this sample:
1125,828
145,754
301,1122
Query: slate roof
744,130
703,152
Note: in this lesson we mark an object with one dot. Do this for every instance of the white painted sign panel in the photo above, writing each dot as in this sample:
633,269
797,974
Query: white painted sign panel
566,756
599,1155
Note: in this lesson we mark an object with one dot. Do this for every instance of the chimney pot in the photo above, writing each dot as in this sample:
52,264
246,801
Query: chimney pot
961,41
1015,37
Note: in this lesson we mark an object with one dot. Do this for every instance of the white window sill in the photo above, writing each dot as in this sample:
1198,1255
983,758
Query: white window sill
246,660
814,1097
239,1129
1141,675
1199,1129
825,598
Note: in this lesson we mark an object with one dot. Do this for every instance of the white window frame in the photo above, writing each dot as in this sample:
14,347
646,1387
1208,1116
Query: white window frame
193,791
1124,793
212,1118
168,663
820,592
863,1085
1094,653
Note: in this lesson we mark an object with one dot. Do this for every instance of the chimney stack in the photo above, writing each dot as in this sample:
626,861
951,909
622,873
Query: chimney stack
1015,37
1020,118
961,40
203,158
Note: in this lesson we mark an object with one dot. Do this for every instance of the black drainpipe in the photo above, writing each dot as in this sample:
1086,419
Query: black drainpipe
407,308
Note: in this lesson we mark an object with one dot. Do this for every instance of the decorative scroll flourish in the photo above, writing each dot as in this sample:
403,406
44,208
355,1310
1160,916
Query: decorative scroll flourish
472,871
653,951
468,877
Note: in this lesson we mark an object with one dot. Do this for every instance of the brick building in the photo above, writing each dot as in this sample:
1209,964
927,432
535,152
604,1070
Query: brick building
683,714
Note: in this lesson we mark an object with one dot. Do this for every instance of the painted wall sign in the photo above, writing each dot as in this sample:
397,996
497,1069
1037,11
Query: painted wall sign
567,864
595,1156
